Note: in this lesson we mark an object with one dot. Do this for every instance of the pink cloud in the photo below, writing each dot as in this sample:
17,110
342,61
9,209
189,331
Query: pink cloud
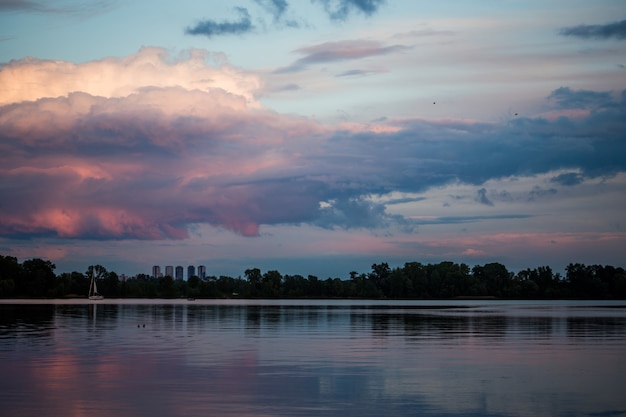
147,165
473,252
31,79
340,51
148,157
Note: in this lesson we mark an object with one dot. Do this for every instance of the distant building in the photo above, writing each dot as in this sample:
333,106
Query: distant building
202,272
169,271
156,271
191,271
179,272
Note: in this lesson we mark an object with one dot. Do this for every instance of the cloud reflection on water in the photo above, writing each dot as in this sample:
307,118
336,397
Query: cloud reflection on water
310,360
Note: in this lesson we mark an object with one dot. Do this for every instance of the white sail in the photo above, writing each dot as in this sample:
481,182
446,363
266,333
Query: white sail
93,289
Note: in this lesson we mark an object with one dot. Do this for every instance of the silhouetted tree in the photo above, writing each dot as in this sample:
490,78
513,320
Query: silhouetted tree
9,272
37,278
254,278
272,281
166,286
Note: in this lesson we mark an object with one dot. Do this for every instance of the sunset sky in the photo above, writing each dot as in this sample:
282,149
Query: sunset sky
312,136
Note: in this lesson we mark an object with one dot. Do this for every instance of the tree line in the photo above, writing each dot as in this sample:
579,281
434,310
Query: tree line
35,278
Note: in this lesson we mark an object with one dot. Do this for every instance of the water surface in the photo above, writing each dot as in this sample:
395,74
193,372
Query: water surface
312,358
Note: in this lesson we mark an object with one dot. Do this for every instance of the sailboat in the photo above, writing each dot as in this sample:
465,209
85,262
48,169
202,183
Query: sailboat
93,290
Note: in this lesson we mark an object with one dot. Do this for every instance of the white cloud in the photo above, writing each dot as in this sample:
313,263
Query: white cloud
31,79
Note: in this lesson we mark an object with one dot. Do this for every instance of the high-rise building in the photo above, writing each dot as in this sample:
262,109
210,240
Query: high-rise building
169,271
156,271
202,272
179,272
191,271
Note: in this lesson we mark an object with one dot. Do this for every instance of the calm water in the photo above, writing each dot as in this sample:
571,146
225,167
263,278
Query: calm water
314,358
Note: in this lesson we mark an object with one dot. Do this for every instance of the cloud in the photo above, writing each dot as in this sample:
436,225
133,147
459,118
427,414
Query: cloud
138,167
481,197
277,8
341,9
357,213
84,8
212,28
360,72
288,87
339,51
12,5
421,33
102,150
565,98
31,79
538,192
568,179
610,30
335,9
469,219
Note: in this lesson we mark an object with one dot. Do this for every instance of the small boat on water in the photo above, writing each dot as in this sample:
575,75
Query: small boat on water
93,290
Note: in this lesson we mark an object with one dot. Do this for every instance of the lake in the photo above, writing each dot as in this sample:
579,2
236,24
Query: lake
156,358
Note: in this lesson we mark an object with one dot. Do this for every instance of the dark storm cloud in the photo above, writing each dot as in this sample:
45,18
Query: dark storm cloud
91,167
481,197
568,179
405,200
341,9
615,30
566,98
425,153
211,28
339,51
336,10
354,212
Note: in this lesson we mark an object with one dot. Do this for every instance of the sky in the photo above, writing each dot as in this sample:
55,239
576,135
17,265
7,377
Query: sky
312,136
